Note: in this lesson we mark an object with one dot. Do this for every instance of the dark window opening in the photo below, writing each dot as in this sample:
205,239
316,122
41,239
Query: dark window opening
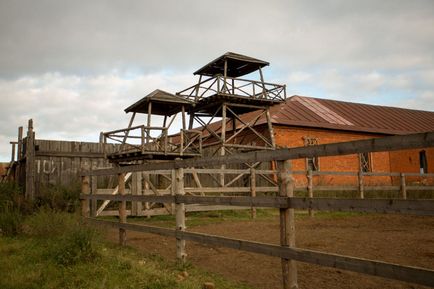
423,162
365,162
313,162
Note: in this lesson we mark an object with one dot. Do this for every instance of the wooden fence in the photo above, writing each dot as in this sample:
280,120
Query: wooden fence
284,201
37,162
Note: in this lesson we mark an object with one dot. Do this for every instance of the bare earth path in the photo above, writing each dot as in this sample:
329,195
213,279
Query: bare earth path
407,240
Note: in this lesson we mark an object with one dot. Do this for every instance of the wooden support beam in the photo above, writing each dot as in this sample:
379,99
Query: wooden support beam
287,224
181,254
122,209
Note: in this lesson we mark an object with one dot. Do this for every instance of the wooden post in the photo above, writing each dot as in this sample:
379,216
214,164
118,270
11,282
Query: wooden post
94,188
264,94
361,186
148,135
310,189
253,189
13,151
223,142
180,215
136,189
85,189
270,127
122,209
146,192
403,186
287,224
20,143
30,163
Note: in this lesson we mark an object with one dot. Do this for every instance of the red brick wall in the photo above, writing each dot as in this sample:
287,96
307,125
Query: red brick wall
293,137
407,161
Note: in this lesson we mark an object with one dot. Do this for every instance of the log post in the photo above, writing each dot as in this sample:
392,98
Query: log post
20,143
122,209
310,189
13,151
361,186
403,186
180,215
85,190
287,224
30,163
253,189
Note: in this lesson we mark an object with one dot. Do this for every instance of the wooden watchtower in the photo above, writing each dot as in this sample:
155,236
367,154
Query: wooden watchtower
227,107
152,142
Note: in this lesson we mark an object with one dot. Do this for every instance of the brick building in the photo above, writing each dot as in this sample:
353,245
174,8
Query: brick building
304,121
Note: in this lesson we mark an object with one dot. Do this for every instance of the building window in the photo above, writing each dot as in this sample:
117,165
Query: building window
423,162
313,162
365,162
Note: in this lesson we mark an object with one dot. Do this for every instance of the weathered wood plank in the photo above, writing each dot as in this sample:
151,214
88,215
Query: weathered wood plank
416,207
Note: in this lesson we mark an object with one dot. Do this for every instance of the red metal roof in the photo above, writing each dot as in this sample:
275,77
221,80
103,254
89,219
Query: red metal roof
334,114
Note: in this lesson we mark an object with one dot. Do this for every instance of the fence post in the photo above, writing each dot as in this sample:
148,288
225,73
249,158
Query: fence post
122,209
253,189
361,186
85,190
180,215
403,186
310,189
30,163
287,224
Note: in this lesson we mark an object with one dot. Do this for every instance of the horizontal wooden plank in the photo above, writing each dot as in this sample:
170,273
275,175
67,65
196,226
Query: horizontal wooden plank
206,208
382,188
229,189
133,227
410,274
413,207
130,198
335,188
416,207
420,188
390,143
70,154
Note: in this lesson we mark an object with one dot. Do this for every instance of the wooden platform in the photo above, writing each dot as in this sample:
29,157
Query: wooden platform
242,104
147,155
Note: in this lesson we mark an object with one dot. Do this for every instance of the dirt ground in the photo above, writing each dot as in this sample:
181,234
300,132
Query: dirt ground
407,240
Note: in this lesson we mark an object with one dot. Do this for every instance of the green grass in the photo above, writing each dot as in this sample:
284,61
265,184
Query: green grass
67,254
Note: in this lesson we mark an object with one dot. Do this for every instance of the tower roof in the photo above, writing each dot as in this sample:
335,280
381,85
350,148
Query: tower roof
238,65
163,103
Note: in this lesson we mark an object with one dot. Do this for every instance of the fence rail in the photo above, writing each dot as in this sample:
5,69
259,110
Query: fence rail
411,274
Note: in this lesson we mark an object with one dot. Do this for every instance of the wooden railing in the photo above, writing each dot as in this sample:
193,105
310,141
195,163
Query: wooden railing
285,202
143,141
235,86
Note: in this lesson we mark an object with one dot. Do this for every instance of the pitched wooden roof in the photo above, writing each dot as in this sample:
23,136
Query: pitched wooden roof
238,65
341,115
163,103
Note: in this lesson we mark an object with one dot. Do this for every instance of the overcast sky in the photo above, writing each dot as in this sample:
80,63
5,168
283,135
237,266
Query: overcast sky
73,66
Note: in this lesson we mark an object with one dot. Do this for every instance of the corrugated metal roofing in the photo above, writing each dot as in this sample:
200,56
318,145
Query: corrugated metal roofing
334,114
